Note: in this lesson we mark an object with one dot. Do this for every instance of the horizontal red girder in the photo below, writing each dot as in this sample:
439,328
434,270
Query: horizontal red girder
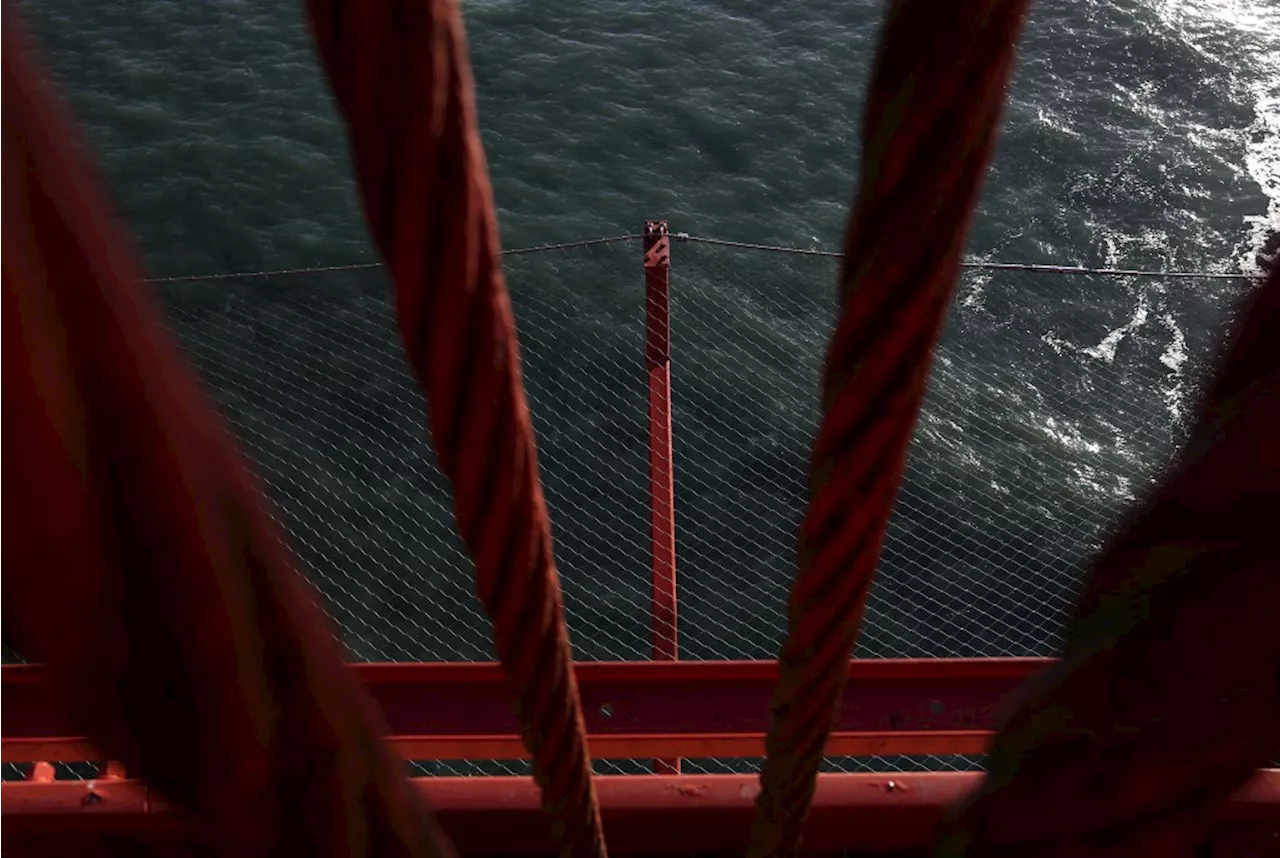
602,747
641,813
632,709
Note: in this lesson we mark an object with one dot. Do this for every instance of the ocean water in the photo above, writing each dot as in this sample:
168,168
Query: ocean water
1138,134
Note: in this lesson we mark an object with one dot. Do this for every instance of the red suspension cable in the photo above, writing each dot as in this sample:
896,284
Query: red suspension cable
934,102
138,563
1168,695
401,75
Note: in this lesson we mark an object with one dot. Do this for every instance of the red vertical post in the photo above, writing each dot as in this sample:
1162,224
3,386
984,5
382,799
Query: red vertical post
662,530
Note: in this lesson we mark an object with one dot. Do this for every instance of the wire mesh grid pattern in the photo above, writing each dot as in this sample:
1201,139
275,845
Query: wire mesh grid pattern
1028,446
310,373
1025,452
1033,437
580,321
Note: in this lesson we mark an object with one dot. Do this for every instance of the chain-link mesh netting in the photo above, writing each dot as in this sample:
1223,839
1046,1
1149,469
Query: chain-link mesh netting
1046,412
311,374
1041,421
580,319
1053,402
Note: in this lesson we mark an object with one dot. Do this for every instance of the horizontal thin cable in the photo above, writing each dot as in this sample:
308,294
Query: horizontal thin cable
746,245
741,245
543,248
363,266
278,272
996,266
1109,272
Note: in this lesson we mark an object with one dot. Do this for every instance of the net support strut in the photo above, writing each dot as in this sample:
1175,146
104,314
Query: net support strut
657,364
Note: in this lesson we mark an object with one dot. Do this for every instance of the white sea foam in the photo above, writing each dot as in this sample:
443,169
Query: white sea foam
1254,27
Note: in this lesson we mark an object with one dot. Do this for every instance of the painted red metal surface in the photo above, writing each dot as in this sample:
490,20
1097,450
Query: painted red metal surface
632,709
666,746
662,498
642,814
657,362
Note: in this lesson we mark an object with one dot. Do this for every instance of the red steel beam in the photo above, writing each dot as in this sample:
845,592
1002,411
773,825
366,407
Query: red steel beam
642,814
614,746
632,709
662,500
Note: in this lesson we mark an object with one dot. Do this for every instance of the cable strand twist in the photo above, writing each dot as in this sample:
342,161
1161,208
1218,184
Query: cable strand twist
402,78
935,98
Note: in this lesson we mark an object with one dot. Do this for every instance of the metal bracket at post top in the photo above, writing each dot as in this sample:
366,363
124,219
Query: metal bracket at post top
662,536
657,267
657,244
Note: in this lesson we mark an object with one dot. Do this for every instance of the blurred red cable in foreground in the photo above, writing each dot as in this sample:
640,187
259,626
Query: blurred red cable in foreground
1168,695
139,565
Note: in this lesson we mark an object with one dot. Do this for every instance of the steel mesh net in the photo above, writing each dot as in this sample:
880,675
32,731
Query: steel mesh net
1043,419
310,373
1040,424
1027,449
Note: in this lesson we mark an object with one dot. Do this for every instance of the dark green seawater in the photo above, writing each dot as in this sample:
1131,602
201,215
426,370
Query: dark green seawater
1139,134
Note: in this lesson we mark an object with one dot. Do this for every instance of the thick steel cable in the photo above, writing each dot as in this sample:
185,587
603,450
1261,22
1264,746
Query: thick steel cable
1167,696
935,99
139,565
400,72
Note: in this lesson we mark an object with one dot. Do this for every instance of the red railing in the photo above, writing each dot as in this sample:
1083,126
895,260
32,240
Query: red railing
649,709
452,711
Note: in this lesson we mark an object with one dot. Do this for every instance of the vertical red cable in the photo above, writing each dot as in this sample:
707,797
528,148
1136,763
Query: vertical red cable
139,565
935,98
400,72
